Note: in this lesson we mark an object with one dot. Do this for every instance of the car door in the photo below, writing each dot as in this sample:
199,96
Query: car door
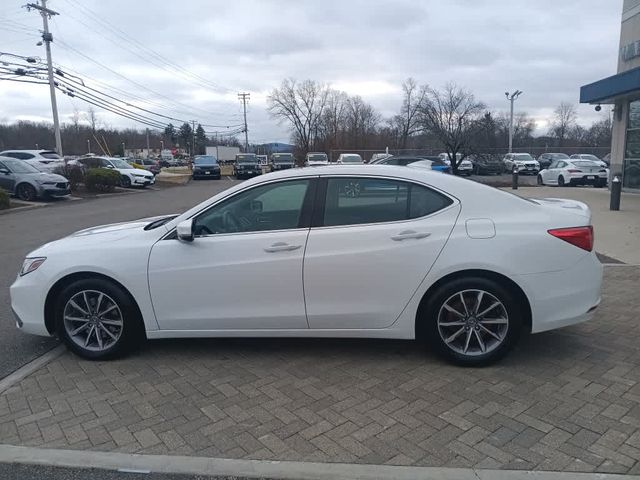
7,180
370,247
243,271
549,175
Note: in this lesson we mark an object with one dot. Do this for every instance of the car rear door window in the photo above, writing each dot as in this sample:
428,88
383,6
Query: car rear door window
354,201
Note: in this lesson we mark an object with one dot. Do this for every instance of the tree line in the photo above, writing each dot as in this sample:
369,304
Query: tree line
86,133
451,119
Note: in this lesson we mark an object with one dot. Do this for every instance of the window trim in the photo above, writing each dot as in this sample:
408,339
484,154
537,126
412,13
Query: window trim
321,195
303,222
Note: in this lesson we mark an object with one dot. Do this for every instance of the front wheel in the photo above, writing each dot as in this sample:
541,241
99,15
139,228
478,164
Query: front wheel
561,182
540,180
26,192
125,181
96,319
473,321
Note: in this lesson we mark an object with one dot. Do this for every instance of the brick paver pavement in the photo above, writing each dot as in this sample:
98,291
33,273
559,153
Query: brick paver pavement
564,400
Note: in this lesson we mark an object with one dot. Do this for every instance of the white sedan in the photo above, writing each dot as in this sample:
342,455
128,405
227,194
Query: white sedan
416,254
574,172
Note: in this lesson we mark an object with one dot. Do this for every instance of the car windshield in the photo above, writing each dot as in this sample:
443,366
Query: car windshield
119,163
50,155
558,156
351,159
317,157
283,158
523,157
246,159
590,157
18,166
205,160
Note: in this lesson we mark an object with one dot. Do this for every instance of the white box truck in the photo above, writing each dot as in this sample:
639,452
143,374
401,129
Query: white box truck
223,154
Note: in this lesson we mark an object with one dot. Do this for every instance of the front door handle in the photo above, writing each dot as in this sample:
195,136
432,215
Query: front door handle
410,234
281,247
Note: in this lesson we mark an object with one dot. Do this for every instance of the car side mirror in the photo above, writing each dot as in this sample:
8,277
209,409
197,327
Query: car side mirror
184,231
109,166
4,171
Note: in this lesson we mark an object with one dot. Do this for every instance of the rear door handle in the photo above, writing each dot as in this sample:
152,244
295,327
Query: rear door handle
410,234
281,247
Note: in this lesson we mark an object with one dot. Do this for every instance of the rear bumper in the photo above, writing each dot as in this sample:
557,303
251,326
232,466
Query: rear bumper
588,179
566,297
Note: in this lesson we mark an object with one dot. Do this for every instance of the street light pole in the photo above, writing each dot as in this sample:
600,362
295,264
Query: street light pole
512,98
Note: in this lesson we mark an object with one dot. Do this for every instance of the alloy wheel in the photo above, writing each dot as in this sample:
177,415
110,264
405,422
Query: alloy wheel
473,322
26,192
93,320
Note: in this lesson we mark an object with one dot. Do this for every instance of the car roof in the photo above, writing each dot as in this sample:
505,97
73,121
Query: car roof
28,151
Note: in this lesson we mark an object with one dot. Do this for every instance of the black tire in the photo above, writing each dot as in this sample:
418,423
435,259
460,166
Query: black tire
449,291
125,181
540,181
131,330
26,192
561,181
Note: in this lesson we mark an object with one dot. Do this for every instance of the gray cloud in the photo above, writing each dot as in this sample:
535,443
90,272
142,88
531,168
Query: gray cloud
548,48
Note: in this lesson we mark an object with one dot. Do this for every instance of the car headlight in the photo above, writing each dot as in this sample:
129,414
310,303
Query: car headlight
141,175
31,264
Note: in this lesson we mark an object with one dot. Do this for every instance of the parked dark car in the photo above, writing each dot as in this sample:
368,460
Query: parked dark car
487,164
247,166
282,161
205,166
28,183
148,164
546,158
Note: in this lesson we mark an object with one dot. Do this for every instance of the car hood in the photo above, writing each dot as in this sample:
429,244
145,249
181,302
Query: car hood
44,177
140,171
117,227
207,165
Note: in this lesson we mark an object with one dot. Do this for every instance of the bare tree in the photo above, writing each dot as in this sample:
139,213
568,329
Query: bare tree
332,123
361,122
75,120
599,134
407,122
451,115
301,104
92,117
564,121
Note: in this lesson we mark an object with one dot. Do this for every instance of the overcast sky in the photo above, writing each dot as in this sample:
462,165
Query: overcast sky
547,48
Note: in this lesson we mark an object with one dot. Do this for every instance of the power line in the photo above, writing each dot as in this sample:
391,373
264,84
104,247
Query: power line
123,35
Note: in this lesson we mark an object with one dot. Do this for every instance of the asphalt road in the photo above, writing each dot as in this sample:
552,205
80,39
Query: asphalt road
40,472
22,231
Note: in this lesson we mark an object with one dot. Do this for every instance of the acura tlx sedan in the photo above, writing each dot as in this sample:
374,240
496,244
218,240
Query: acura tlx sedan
346,251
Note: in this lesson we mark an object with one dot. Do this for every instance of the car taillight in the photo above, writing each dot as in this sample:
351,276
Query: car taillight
573,170
581,237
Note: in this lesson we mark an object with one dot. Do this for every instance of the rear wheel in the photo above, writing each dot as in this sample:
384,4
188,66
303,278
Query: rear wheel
96,319
26,192
473,321
561,181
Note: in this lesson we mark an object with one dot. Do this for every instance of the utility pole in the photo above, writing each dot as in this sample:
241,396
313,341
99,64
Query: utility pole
88,146
148,152
512,98
244,97
48,38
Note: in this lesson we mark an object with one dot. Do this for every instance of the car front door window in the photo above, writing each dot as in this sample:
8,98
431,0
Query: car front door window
277,206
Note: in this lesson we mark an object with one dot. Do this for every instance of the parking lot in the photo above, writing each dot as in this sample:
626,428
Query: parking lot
564,400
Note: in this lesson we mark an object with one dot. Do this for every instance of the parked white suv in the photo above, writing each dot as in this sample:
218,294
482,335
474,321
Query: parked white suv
525,163
43,160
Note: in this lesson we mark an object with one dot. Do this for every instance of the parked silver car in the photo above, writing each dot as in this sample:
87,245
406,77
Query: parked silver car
28,183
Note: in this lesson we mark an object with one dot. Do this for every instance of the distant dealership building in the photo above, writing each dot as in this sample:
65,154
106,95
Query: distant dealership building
623,91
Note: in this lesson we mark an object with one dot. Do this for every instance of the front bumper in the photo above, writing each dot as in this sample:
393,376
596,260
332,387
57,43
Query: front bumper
55,191
27,303
207,172
144,181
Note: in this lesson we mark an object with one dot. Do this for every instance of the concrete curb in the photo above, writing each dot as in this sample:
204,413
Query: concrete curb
23,208
270,469
26,370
